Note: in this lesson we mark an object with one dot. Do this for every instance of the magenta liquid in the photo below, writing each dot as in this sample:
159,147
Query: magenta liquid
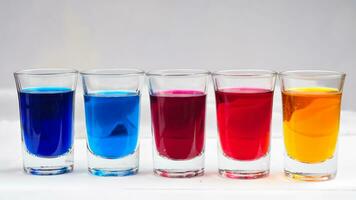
178,118
244,121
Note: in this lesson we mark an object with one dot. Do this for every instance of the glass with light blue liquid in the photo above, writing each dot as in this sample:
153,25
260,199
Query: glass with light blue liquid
112,113
46,105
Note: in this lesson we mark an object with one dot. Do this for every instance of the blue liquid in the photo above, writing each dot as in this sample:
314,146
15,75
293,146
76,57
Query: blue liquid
47,120
112,120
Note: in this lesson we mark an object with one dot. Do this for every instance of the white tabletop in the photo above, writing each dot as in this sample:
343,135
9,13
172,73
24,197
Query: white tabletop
14,183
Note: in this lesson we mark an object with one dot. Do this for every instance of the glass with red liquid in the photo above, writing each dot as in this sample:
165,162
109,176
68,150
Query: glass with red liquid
178,103
244,101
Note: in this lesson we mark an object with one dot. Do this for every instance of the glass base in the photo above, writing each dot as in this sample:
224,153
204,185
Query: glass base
322,171
243,174
243,169
44,171
110,172
178,174
124,166
166,167
36,165
309,177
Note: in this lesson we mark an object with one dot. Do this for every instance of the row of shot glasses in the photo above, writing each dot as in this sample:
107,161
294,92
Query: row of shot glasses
244,101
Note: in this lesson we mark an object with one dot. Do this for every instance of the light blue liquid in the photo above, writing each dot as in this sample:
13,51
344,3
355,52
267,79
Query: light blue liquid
112,120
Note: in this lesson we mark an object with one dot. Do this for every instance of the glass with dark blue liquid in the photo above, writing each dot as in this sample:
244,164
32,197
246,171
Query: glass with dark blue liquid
112,112
46,105
47,120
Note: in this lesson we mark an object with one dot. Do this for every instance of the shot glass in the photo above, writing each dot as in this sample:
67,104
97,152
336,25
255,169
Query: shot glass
244,101
112,113
311,117
46,104
178,103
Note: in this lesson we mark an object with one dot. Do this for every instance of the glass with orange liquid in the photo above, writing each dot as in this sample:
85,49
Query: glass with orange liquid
311,118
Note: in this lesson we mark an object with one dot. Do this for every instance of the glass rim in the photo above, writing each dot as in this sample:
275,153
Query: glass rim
312,74
45,71
112,72
246,73
178,72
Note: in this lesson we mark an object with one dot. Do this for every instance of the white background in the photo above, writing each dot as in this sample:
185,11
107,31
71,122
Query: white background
151,34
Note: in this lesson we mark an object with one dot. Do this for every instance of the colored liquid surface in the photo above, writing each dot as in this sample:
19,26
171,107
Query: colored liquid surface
311,123
244,121
47,120
178,118
112,120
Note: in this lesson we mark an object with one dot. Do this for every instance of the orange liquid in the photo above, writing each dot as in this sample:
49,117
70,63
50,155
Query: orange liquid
311,123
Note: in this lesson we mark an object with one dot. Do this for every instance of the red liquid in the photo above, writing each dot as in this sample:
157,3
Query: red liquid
244,121
178,118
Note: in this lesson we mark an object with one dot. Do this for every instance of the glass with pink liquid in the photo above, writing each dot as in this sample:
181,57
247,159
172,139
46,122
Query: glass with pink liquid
178,103
244,100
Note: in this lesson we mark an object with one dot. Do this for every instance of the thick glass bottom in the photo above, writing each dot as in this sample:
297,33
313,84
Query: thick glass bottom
309,176
44,171
111,172
36,165
166,167
243,174
322,171
124,166
243,169
178,174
